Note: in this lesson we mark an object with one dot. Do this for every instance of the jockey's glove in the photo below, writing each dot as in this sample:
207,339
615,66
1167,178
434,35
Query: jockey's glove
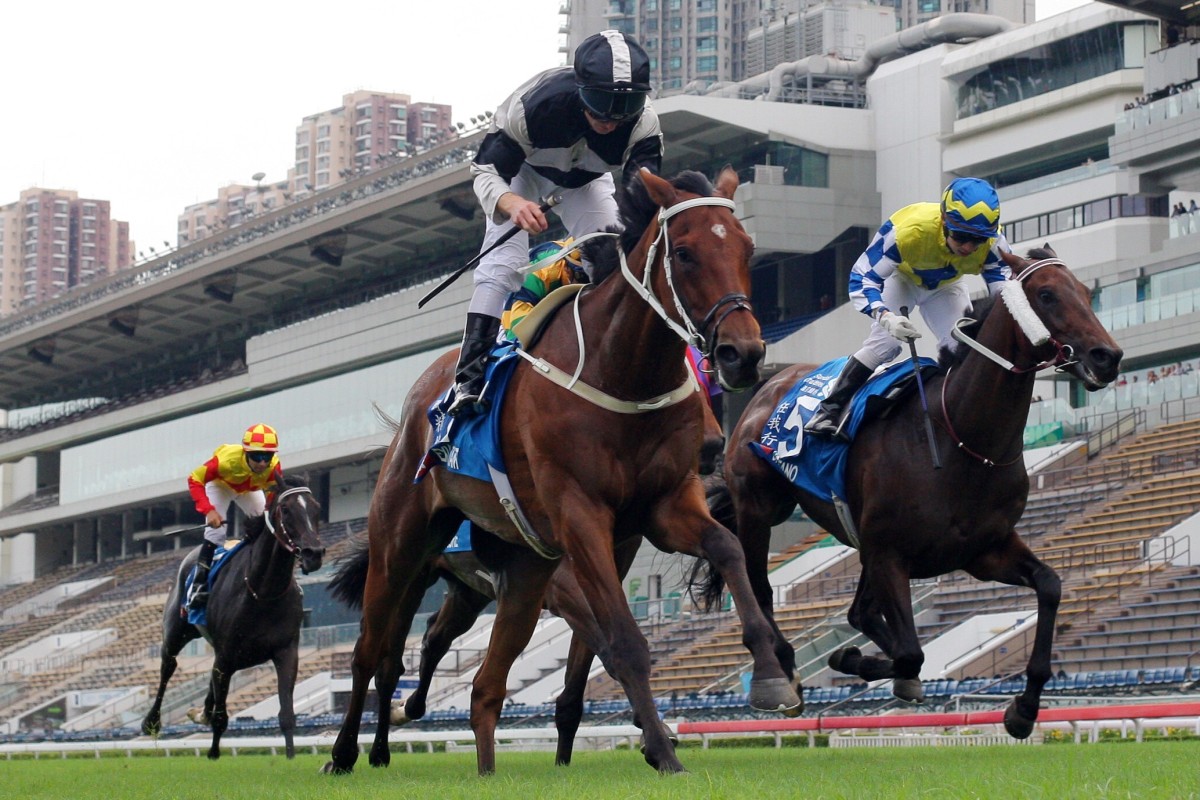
898,326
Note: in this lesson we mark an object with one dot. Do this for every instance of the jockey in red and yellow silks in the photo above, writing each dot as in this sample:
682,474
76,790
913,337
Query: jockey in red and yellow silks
236,473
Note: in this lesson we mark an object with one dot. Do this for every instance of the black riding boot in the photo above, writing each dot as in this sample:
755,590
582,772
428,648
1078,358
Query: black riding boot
198,596
828,419
478,339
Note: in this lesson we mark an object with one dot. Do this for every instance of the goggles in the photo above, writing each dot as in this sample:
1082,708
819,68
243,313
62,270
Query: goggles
611,105
259,456
966,238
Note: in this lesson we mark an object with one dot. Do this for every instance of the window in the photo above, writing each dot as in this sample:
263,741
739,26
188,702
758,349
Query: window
706,64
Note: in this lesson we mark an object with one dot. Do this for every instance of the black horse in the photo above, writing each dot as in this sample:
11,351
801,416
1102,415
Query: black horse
913,521
254,612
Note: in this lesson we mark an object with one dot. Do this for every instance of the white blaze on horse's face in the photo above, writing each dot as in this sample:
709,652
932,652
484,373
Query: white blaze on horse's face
719,230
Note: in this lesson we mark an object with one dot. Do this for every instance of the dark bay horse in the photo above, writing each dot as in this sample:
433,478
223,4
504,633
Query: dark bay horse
618,462
914,521
254,611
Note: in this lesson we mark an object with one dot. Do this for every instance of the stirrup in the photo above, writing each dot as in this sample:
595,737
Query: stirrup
465,401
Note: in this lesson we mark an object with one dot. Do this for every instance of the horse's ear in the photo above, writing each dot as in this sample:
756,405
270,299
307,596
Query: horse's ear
660,191
727,182
1049,250
1014,261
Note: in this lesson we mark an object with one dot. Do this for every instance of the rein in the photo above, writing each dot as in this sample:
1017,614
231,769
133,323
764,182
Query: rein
1033,328
687,331
281,537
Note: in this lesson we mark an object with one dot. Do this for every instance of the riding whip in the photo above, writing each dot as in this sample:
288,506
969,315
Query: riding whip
546,205
912,349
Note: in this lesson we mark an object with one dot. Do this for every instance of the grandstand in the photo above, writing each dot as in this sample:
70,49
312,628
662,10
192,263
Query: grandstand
266,322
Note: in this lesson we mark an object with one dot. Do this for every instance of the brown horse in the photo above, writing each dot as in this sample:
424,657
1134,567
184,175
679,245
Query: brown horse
619,462
255,611
471,578
914,521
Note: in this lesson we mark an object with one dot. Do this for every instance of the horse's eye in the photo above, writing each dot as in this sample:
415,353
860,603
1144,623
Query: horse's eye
1046,297
683,255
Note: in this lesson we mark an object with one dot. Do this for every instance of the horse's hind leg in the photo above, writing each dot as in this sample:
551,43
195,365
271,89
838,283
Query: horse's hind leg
460,608
175,630
882,611
1016,565
518,605
287,664
568,708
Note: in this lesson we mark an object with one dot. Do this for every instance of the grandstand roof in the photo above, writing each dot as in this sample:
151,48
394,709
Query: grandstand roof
403,223
1179,12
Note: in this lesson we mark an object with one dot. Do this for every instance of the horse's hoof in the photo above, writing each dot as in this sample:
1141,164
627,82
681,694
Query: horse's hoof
150,730
331,768
909,690
214,755
399,716
845,660
198,716
1018,727
775,694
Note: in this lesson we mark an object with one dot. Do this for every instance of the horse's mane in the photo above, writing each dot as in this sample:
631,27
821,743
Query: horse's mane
256,525
949,357
636,210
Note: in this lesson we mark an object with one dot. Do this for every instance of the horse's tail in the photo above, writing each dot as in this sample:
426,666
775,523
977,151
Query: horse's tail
705,585
348,585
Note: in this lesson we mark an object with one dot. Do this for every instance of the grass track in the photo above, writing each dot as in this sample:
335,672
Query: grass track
1053,772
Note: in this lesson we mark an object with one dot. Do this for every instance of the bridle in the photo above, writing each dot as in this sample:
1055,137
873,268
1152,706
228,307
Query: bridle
685,330
734,301
282,537
1033,328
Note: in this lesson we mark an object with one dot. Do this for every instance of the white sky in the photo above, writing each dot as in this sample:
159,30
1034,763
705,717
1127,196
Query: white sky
154,106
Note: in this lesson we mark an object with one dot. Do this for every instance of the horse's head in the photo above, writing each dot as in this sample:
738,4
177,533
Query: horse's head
1063,304
294,519
700,262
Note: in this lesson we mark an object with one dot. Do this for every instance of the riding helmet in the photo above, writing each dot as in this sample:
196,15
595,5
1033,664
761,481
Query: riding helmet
970,206
613,74
260,438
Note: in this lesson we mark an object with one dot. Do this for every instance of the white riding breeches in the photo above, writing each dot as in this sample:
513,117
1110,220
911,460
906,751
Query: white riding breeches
588,209
252,504
940,309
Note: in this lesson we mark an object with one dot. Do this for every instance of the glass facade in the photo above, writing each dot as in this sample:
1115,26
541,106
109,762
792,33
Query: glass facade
1055,65
1065,219
319,414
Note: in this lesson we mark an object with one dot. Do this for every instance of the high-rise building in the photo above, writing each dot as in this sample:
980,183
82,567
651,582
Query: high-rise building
52,240
332,146
695,45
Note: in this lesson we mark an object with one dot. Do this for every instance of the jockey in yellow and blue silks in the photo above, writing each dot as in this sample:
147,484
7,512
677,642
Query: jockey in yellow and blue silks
916,260
236,473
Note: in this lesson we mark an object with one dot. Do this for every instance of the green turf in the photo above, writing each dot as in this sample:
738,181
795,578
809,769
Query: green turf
1090,772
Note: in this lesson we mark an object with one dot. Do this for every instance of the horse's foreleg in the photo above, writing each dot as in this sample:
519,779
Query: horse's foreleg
1016,565
683,524
518,605
218,716
286,666
626,653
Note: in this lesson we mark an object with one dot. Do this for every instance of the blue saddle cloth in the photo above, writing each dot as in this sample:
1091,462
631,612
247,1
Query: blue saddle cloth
461,543
220,559
817,464
468,444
